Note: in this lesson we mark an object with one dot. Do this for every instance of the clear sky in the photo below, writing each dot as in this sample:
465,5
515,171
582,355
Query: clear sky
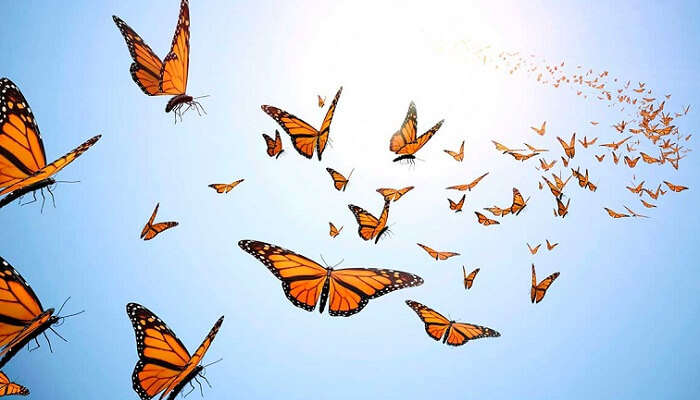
620,322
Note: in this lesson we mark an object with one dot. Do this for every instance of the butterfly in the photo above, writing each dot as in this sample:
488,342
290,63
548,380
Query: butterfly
599,157
583,180
534,149
481,218
616,158
437,255
585,143
562,209
647,205
533,250
305,138
634,214
274,146
570,148
369,226
164,363
614,214
503,148
469,279
334,231
550,246
631,162
541,130
321,101
457,207
522,157
459,156
675,188
23,167
8,388
394,194
451,332
594,123
616,145
497,211
404,142
518,202
538,291
545,166
225,187
347,291
565,161
468,186
649,159
151,230
339,181
167,77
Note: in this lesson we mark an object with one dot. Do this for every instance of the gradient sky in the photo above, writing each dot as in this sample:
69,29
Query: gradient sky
620,322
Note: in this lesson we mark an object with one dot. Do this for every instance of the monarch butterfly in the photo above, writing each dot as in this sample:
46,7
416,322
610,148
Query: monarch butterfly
599,157
305,138
167,77
675,188
562,209
616,145
164,363
8,388
545,166
468,186
565,161
347,291
539,185
457,207
369,226
503,148
615,214
333,230
522,157
541,130
594,123
550,246
451,332
631,162
585,143
437,255
339,181
647,205
481,218
274,146
538,291
321,101
393,194
518,202
151,230
654,195
583,180
225,187
497,211
23,167
569,148
469,279
457,155
634,214
404,142
649,159
534,149
533,250
616,158
621,126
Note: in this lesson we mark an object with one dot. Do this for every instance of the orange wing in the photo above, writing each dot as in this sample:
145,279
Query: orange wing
8,388
225,187
614,214
321,101
569,148
274,146
599,157
522,157
457,155
451,332
469,279
497,211
339,181
562,209
468,186
333,230
675,188
457,207
370,227
151,230
533,250
393,194
438,255
404,142
483,220
538,291
631,162
435,324
518,202
551,246
541,131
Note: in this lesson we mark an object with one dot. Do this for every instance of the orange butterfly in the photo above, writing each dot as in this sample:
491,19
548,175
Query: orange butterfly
151,230
459,156
594,123
23,167
649,159
274,146
565,161
545,166
675,188
541,130
518,202
503,148
534,149
634,214
339,181
451,332
636,189
469,279
369,226
522,157
394,194
8,388
616,145
167,77
305,138
583,180
585,143
457,207
538,291
404,142
497,211
647,205
620,127
631,162
164,363
334,231
347,291
321,101
225,187
551,246
570,148
533,250
616,158
615,214
468,186
481,218
437,255
599,157
562,209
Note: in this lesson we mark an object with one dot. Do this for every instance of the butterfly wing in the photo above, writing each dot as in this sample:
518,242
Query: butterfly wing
8,388
304,136
435,324
326,125
407,133
176,63
538,291
147,66
461,332
430,251
151,230
483,220
339,181
412,148
469,279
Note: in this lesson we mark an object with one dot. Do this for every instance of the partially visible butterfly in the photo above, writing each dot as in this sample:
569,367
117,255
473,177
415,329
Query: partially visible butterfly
534,149
393,194
631,162
23,167
437,255
541,131
518,202
533,250
451,332
634,214
457,207
550,246
615,214
503,148
522,157
339,181
347,291
569,148
274,146
538,290
225,187
481,218
334,231
675,188
151,230
562,209
457,155
405,142
370,227
469,279
164,363
497,211
8,388
468,186
305,138
321,101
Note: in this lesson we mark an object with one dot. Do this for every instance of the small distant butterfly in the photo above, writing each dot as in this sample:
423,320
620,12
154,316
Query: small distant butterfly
569,148
481,218
550,246
469,279
339,181
541,130
457,207
151,230
533,250
522,157
538,290
457,155
370,227
8,388
562,209
451,332
565,161
274,146
468,186
675,188
334,231
631,162
518,202
225,187
437,255
394,194
599,157
321,101
405,142
615,214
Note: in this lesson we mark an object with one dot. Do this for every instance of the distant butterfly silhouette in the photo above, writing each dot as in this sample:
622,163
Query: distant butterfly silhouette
321,101
393,194
151,229
225,187
533,250
8,388
274,146
518,202
370,227
451,332
569,148
339,181
405,142
541,131
538,290
469,279
550,246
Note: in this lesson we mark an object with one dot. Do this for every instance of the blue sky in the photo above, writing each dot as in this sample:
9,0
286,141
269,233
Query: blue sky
621,320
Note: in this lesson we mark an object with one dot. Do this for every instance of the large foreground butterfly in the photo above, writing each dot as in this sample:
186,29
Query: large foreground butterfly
23,167
152,229
305,138
346,290
451,332
538,290
167,77
164,363
8,388
404,142
370,227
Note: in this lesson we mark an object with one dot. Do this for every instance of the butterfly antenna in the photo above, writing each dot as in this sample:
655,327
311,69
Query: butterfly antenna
212,363
62,305
339,262
201,97
72,315
324,260
67,181
57,334
350,174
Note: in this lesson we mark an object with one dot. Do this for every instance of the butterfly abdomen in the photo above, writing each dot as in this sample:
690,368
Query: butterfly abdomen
404,157
325,290
38,331
28,189
177,100
187,379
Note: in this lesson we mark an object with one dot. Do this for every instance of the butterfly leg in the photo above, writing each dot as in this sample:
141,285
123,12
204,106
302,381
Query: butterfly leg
53,199
37,345
191,390
48,341
43,200
206,380
201,389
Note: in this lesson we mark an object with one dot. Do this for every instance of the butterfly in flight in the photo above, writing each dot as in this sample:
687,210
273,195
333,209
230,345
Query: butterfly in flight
550,246
599,157
615,214
541,131
393,194
533,250
167,77
469,279
634,214
305,138
437,255
538,290
565,161
569,148
631,162
675,188
457,207
339,181
585,143
321,101
274,146
497,211
522,157
616,145
459,156
649,159
583,180
370,227
405,142
225,187
647,205
518,202
151,230
164,363
503,148
451,332
483,220
534,149
562,209
23,167
468,186
346,291
545,166
333,230
8,388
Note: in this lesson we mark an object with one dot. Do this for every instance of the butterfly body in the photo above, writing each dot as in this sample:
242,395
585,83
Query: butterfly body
27,189
450,332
